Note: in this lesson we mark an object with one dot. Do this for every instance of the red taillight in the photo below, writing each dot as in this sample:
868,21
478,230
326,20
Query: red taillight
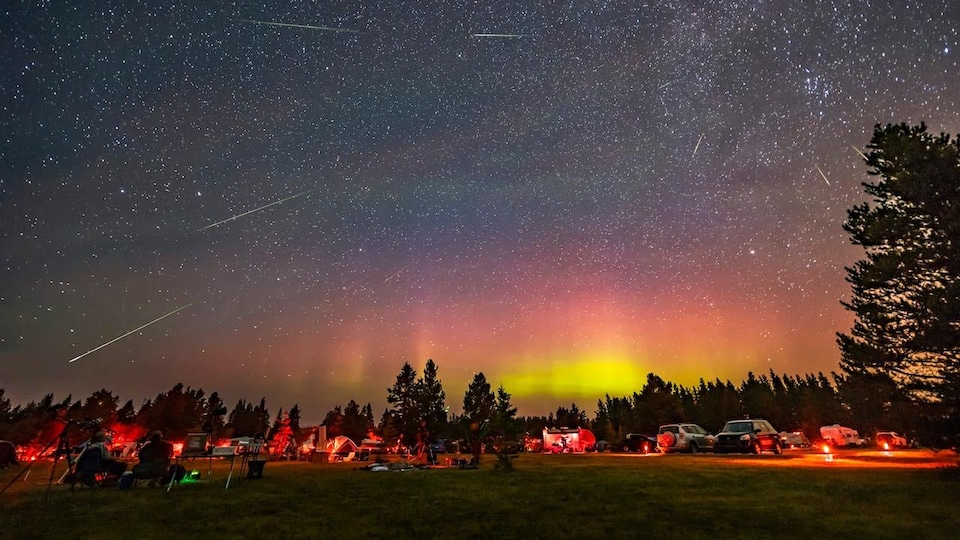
886,446
826,449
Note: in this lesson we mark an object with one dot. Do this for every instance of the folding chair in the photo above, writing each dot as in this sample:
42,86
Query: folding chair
86,470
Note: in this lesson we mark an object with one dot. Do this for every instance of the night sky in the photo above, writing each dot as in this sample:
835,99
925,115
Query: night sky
603,190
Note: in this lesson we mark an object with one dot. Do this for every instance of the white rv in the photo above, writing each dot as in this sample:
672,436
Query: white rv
841,436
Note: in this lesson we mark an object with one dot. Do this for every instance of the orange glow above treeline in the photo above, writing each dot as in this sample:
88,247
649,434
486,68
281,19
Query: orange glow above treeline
553,352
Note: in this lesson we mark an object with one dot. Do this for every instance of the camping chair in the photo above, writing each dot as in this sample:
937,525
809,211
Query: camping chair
154,463
86,470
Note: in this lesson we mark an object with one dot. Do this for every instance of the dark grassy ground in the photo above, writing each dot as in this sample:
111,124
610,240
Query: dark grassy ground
571,496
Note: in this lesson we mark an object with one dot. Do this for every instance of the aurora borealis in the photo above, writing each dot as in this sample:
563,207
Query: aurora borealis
598,191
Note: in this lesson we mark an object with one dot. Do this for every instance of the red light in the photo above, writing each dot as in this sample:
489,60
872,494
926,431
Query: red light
826,449
886,446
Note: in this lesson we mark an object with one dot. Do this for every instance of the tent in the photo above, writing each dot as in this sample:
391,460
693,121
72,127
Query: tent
340,445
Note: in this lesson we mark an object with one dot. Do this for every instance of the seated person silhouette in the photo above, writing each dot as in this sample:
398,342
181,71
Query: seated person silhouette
8,454
97,460
155,457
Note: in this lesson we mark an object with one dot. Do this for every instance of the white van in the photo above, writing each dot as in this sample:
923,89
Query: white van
841,436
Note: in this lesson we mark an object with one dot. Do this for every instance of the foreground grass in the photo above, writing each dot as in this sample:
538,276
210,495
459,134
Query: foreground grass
588,496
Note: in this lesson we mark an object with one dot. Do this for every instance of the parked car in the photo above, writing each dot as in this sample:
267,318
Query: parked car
507,446
684,438
755,436
794,439
890,439
371,447
638,442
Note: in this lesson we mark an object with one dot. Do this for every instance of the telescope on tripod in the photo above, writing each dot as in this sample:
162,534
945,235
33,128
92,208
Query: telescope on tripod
62,440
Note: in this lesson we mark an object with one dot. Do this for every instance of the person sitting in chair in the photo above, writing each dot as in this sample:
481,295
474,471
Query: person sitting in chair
155,458
96,459
8,454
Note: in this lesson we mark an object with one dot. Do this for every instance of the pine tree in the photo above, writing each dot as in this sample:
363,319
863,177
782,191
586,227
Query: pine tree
431,401
294,415
906,292
504,418
404,397
478,401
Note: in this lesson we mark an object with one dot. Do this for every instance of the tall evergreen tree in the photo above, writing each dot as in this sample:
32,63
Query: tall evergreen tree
404,396
906,292
431,401
294,416
478,401
504,415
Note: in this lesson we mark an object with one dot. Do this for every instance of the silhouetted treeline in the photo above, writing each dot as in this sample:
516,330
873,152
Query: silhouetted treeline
176,412
790,403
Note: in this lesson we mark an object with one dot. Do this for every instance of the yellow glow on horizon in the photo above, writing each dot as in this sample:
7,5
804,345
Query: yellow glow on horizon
577,378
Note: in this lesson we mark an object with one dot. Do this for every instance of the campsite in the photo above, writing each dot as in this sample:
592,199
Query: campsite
541,496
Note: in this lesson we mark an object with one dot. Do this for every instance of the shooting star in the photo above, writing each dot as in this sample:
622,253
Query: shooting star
857,150
307,26
396,274
697,147
135,330
821,174
264,207
507,36
666,84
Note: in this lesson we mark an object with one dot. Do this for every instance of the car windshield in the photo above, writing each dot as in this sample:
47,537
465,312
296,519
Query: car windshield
739,427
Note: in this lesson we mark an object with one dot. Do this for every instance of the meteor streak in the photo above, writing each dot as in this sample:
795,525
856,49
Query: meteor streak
135,330
697,147
264,207
857,150
508,36
821,174
307,26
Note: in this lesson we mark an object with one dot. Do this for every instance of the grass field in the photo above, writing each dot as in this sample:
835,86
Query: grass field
570,496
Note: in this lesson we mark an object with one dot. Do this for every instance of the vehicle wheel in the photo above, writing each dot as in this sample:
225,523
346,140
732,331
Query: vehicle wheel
757,449
776,449
693,448
626,448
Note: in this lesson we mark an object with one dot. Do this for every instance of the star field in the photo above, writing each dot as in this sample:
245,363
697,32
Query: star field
625,187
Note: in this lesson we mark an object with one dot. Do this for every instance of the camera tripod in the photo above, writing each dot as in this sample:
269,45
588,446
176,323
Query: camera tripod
63,448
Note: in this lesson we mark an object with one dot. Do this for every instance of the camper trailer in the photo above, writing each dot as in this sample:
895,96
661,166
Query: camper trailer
841,436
